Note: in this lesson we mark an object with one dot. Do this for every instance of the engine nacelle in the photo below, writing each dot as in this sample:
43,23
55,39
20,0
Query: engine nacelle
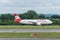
38,23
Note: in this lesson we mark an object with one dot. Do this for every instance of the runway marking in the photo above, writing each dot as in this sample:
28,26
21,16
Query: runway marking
27,39
29,30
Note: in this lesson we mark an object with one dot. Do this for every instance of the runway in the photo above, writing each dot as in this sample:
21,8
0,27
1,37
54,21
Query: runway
29,30
27,39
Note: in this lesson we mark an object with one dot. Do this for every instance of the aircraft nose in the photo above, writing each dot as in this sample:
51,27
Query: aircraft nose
51,22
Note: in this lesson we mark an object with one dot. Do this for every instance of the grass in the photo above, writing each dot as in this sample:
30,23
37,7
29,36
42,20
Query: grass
29,27
28,35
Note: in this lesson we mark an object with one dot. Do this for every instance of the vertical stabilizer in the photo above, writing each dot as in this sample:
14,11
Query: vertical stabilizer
17,18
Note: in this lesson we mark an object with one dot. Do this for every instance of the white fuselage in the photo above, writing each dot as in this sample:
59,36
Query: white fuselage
37,22
31,21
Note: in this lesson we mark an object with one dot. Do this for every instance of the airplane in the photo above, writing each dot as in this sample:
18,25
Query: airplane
31,21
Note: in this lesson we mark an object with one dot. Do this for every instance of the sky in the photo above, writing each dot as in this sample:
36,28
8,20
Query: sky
22,6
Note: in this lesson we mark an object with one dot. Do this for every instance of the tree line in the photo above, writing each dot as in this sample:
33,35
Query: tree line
8,19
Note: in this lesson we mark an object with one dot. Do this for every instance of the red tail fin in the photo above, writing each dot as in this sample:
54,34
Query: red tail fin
17,18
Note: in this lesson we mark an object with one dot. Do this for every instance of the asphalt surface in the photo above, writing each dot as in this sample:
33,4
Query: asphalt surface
29,30
27,39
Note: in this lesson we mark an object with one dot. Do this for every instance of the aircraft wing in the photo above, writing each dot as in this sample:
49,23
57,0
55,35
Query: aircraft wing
32,22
